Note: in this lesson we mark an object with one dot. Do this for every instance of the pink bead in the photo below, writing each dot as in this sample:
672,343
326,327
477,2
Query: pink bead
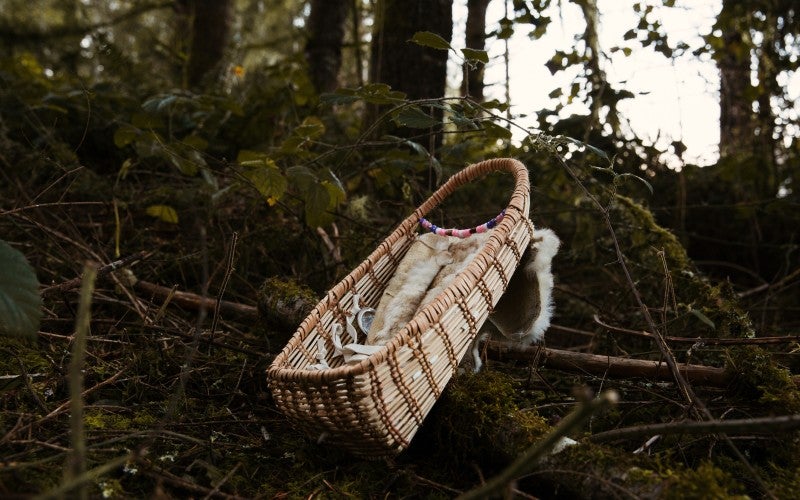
481,228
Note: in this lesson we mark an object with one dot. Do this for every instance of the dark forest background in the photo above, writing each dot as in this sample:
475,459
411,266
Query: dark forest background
205,163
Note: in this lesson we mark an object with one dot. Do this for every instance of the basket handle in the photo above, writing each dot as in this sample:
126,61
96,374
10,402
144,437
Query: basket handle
520,198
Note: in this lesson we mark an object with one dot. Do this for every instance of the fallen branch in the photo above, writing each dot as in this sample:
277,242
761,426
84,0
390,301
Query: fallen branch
610,366
763,425
194,301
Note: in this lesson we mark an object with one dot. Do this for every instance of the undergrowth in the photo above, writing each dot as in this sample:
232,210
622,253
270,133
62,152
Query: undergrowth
190,408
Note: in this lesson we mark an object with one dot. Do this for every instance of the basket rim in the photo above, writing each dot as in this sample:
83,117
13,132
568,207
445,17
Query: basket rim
516,210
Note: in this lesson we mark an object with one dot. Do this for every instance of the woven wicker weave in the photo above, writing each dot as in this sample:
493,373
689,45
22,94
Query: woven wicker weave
375,407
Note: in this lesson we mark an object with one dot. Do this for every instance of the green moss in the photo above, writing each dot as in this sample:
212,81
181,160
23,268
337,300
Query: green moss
644,242
645,232
784,483
602,471
478,421
283,304
28,354
758,376
705,481
143,420
110,488
104,420
101,420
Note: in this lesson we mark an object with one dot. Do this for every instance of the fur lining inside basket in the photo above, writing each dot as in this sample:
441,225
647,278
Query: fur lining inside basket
522,314
429,266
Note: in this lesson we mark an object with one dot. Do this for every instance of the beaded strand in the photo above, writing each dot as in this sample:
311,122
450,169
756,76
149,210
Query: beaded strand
462,233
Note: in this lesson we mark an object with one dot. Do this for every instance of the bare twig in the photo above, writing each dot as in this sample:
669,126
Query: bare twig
228,272
763,425
785,339
113,266
333,248
222,482
768,286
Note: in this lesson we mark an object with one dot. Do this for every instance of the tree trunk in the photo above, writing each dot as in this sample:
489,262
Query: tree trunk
325,28
206,26
596,75
736,132
420,72
472,85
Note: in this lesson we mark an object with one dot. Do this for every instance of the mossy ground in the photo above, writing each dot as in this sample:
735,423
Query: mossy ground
193,407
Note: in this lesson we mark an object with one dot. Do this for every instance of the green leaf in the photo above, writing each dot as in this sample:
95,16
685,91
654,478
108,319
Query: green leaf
166,102
124,169
415,146
267,178
506,29
627,175
476,55
301,177
125,135
629,35
462,122
380,93
341,96
248,155
311,128
414,117
495,131
20,302
186,166
705,319
163,212
336,194
146,121
195,142
334,179
430,39
317,200
599,152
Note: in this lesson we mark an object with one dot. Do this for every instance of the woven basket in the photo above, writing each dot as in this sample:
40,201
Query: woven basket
375,407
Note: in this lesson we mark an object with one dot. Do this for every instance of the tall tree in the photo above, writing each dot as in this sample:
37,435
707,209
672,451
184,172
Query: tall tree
325,26
420,72
475,32
736,124
758,44
205,24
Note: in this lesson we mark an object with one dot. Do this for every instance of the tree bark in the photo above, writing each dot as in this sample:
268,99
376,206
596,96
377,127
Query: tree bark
736,134
325,26
472,84
420,72
206,25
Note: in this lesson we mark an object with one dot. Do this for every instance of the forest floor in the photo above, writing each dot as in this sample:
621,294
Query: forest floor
175,397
